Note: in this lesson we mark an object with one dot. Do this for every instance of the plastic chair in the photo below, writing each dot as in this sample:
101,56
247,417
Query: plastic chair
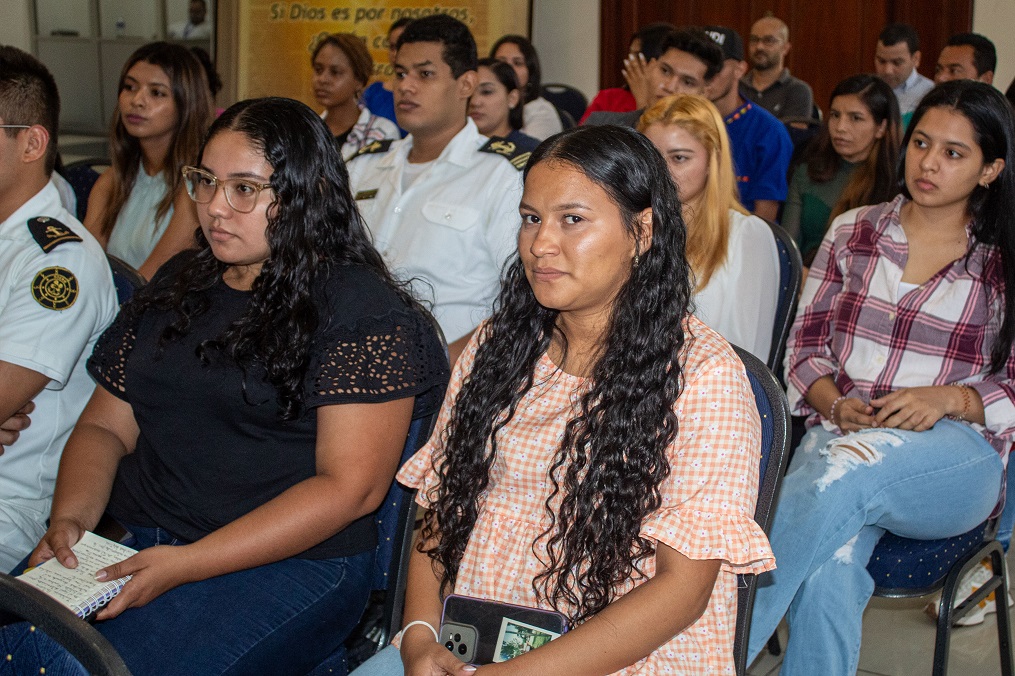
22,602
126,279
790,279
567,99
774,411
396,523
903,568
82,176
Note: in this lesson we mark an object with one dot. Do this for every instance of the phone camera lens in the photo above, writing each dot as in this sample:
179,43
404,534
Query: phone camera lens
462,649
450,646
458,638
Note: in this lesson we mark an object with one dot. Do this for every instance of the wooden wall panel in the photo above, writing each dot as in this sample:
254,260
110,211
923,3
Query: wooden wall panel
831,41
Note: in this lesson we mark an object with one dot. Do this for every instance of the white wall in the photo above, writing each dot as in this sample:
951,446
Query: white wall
15,24
994,19
566,35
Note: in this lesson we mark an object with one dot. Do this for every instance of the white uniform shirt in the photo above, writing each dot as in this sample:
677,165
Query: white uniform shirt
451,230
53,306
740,299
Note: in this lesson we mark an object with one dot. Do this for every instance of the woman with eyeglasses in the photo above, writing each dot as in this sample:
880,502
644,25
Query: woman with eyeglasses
252,406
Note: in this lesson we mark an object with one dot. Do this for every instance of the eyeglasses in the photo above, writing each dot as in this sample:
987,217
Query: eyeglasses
240,194
15,126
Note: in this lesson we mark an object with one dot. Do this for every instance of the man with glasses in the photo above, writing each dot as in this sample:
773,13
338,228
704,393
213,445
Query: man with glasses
768,82
56,297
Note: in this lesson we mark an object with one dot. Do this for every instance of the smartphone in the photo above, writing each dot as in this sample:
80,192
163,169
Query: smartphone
480,632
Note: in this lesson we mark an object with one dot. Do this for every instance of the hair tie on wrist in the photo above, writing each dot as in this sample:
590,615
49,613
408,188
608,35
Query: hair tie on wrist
831,413
422,623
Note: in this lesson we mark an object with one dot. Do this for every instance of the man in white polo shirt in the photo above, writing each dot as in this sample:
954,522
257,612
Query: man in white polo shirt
56,297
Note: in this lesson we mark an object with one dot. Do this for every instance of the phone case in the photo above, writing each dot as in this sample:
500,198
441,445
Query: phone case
480,632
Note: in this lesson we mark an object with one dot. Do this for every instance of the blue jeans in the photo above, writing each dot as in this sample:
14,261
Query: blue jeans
835,505
280,618
388,662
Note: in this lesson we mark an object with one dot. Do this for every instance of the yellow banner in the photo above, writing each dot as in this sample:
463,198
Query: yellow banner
276,38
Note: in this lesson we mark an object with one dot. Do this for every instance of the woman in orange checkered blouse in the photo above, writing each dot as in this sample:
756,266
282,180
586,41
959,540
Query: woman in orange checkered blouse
598,449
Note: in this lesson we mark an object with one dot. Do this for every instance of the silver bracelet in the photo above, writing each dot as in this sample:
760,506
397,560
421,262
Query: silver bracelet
423,623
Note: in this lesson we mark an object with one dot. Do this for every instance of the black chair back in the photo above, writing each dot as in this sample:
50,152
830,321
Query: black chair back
773,408
567,99
82,176
790,279
22,602
126,279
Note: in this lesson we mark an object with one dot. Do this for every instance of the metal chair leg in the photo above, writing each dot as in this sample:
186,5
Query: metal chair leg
997,562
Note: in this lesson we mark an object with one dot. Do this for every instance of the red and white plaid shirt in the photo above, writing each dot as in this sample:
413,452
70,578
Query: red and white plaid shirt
855,325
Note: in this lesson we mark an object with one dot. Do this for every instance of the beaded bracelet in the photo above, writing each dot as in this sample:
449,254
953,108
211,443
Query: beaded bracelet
831,413
965,402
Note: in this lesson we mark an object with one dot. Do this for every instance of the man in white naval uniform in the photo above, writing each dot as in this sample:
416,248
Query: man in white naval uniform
442,203
56,297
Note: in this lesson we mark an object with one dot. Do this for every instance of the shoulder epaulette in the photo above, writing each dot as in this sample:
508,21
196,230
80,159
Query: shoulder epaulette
508,149
50,233
373,147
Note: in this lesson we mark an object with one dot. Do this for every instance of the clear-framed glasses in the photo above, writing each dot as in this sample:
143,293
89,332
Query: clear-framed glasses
241,194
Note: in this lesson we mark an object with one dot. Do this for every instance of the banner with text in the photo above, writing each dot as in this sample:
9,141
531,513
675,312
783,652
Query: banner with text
276,39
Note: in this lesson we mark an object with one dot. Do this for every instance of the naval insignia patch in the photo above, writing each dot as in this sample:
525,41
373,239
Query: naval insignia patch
55,288
50,233
373,147
508,149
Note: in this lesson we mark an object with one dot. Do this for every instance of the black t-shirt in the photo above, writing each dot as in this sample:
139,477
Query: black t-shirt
211,446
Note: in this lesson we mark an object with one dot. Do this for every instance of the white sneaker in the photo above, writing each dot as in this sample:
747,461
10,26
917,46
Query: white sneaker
968,584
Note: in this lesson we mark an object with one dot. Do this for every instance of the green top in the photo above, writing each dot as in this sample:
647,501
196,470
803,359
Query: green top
809,206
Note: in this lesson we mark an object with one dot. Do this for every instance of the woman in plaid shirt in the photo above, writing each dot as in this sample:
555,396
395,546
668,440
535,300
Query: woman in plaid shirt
902,355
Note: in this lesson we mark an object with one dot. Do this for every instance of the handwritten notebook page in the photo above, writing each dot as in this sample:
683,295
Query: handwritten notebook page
77,588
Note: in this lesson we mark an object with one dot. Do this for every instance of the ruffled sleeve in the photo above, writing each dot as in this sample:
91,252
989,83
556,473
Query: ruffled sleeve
708,500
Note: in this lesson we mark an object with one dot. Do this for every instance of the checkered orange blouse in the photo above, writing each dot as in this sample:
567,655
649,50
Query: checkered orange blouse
708,499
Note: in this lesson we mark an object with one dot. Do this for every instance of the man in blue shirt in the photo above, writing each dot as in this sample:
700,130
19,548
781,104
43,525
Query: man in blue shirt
761,145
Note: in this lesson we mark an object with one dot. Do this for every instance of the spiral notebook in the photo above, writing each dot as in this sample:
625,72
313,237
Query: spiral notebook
77,588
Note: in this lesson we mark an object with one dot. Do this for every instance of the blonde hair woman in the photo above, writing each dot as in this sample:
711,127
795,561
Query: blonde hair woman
731,252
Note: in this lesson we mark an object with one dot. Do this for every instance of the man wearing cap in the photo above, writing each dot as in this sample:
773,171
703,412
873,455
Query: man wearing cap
761,145
769,83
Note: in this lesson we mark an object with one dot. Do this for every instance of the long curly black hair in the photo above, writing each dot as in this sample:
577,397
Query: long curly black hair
612,458
313,223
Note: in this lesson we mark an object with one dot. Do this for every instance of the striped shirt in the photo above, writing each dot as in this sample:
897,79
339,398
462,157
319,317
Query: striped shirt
856,325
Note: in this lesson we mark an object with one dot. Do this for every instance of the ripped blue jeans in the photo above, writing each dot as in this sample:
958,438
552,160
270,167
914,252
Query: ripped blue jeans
840,495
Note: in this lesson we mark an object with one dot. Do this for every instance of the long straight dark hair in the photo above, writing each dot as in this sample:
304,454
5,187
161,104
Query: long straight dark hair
990,208
874,181
193,101
612,457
